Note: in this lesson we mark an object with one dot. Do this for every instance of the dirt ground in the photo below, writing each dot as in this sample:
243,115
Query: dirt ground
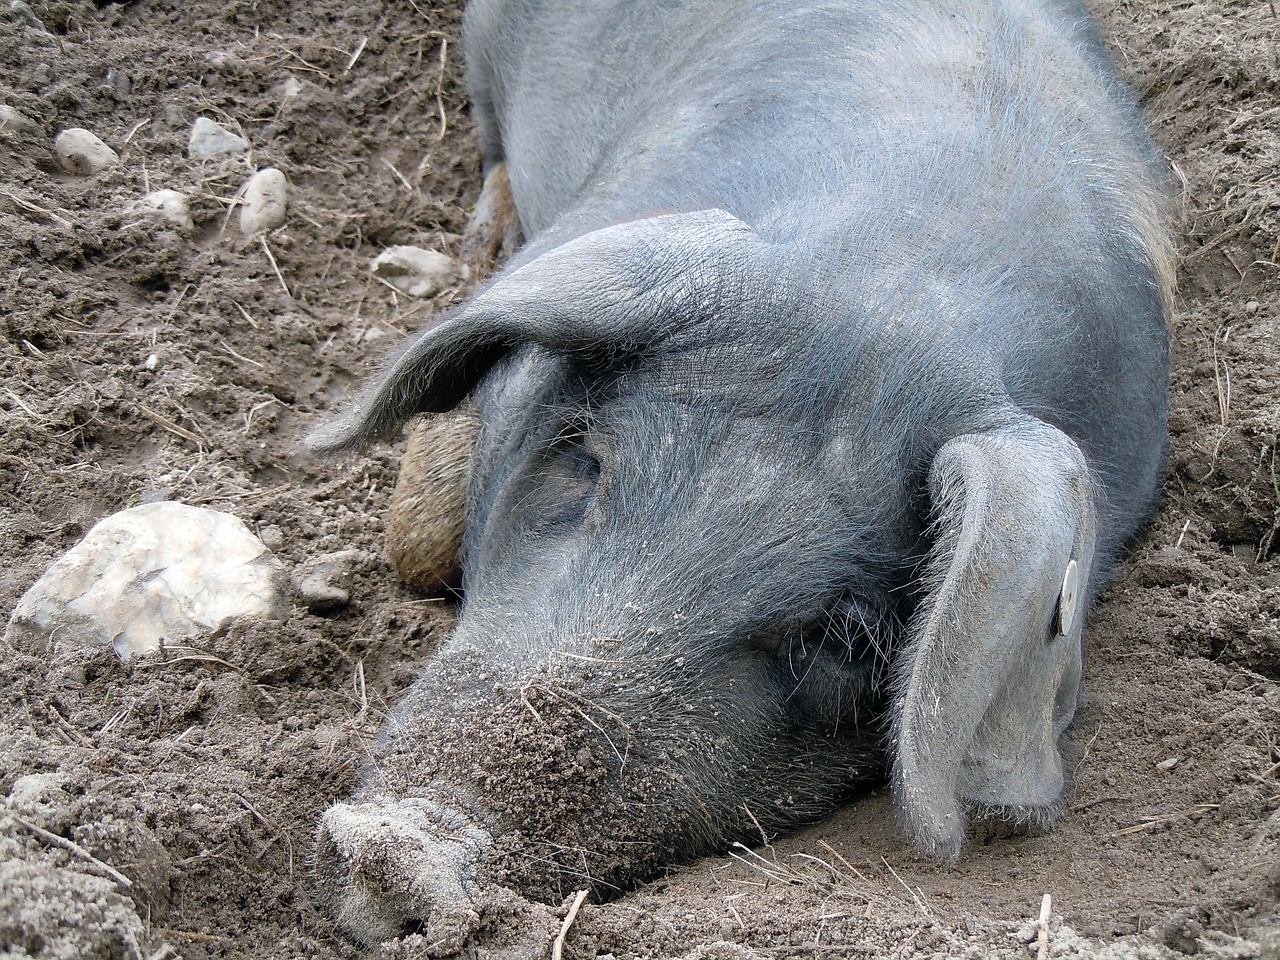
140,361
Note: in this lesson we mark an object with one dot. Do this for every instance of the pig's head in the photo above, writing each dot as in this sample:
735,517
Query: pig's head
696,607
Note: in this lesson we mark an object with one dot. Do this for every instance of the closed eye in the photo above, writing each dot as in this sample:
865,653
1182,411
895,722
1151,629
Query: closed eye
565,480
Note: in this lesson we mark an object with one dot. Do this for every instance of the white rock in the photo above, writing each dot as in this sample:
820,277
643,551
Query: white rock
14,122
34,786
266,201
162,571
82,153
208,139
289,88
169,204
418,272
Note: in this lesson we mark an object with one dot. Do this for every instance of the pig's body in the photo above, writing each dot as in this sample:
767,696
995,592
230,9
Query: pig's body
832,371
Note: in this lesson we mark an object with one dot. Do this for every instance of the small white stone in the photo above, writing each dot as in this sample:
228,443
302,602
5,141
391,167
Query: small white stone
151,362
208,139
82,153
162,571
289,88
266,201
14,122
418,272
169,204
33,786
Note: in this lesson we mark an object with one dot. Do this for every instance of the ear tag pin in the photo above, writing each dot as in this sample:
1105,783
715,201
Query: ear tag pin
1067,599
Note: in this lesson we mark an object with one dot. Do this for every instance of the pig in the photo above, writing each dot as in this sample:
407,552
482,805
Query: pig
826,390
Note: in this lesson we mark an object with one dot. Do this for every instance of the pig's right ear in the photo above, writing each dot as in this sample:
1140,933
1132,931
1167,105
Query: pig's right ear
604,295
989,682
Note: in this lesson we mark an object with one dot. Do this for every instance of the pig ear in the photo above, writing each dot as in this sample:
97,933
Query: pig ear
990,677
603,295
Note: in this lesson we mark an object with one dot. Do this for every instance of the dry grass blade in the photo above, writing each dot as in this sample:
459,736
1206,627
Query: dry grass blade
243,359
271,825
25,407
1222,380
72,847
914,896
444,117
1150,823
398,175
36,208
770,868
276,267
848,866
166,424
557,948
1042,927
355,55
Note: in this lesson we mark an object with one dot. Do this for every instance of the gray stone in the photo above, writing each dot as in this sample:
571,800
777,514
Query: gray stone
81,152
209,139
324,583
167,204
14,122
24,14
153,573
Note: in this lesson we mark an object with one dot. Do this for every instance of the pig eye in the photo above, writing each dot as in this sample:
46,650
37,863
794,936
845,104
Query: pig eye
567,478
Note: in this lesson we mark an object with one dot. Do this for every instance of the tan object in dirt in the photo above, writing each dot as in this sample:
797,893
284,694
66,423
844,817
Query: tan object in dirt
167,204
161,571
14,122
82,153
428,508
266,202
418,272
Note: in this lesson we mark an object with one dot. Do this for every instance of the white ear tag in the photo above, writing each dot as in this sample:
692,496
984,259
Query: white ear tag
1068,599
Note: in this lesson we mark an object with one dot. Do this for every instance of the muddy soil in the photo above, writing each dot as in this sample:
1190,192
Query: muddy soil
142,361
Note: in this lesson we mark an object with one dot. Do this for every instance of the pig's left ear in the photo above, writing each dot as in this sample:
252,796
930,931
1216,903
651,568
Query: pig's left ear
603,295
989,679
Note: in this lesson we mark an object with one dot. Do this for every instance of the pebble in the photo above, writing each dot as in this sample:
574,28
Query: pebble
82,153
209,139
12,121
418,272
150,574
265,202
21,11
169,204
324,583
118,82
273,537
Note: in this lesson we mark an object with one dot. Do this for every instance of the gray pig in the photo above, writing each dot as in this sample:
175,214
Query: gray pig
826,390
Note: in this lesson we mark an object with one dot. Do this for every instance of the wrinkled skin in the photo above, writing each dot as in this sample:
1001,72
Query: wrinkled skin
816,408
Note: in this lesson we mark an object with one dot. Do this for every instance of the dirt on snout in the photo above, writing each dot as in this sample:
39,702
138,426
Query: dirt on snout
167,806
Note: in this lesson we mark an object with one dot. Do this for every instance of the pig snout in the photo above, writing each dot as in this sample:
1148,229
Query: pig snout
539,781
386,865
